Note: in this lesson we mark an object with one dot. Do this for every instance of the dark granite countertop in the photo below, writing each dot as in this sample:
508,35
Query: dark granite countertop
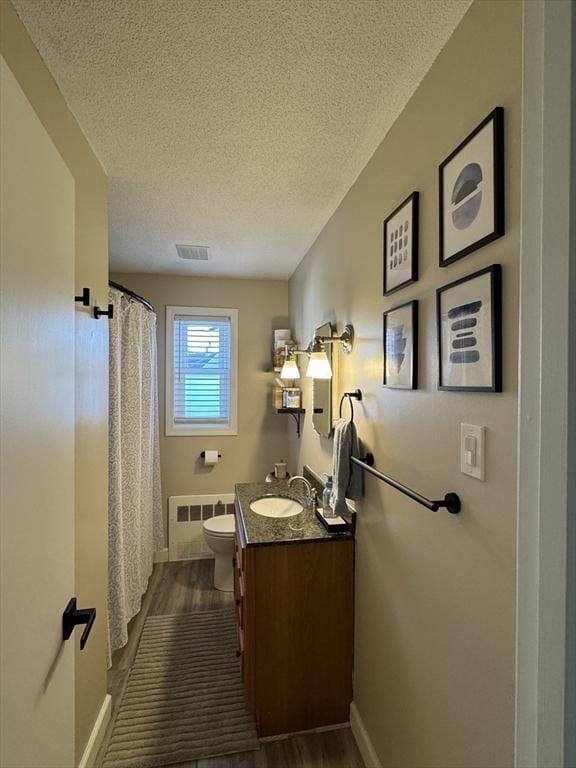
259,530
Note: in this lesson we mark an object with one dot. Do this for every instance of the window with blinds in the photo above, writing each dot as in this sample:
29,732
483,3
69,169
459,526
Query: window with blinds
201,375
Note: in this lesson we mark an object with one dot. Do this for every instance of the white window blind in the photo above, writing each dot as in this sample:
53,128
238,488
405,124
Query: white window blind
201,370
202,375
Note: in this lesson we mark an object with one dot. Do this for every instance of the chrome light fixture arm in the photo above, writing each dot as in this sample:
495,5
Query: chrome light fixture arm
346,338
291,352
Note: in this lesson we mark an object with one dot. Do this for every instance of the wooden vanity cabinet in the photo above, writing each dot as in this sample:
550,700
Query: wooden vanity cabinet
295,614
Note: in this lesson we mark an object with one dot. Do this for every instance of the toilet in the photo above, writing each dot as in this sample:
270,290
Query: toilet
219,535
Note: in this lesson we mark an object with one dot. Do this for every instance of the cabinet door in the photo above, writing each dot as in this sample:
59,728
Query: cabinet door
303,625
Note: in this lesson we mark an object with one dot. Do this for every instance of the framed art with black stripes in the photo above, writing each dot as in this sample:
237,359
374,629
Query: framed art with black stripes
469,326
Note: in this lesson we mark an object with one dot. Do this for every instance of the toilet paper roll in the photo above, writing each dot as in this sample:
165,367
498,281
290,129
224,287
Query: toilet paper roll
210,458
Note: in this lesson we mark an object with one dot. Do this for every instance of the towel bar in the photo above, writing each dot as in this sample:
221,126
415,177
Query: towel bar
451,500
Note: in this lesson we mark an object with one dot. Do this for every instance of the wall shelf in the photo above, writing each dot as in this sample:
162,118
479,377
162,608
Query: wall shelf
296,414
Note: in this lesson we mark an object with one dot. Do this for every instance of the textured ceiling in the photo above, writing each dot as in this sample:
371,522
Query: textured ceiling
239,124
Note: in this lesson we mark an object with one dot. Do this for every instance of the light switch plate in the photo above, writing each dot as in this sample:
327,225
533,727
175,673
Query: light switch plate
472,451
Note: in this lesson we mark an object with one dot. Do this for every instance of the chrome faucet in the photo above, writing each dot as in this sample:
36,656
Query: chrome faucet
310,492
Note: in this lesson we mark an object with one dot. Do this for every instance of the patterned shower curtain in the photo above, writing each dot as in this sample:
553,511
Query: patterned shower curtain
135,527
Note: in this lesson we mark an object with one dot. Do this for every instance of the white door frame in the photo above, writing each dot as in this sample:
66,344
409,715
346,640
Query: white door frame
546,593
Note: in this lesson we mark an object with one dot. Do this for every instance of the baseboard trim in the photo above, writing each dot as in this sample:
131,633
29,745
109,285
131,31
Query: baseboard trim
363,742
98,731
320,729
200,556
161,555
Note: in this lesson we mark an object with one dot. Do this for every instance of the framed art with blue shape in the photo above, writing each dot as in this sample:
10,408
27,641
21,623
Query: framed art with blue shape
400,338
469,325
471,186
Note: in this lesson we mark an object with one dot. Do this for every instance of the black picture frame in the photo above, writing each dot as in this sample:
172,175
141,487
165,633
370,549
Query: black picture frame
413,376
496,117
412,202
467,319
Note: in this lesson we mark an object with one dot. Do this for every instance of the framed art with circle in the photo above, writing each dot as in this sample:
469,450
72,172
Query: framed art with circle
400,251
469,327
400,337
471,186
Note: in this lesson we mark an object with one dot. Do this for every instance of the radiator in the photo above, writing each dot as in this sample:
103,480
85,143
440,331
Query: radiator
185,517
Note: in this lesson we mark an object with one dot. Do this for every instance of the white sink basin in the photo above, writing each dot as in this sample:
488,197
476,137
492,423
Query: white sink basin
276,506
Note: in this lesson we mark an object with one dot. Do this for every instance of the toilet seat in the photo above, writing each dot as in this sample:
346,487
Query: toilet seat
222,526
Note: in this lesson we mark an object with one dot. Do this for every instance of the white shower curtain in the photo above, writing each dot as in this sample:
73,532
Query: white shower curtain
135,528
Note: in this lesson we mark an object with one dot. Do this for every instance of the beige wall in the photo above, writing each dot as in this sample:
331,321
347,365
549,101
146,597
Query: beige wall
91,453
434,656
262,434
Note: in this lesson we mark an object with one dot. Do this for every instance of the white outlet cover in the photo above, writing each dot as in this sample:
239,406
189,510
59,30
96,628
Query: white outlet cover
477,468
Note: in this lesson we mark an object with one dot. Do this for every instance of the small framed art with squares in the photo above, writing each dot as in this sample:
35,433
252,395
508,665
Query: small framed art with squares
400,251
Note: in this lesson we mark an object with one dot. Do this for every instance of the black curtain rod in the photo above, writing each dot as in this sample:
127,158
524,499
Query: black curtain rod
128,292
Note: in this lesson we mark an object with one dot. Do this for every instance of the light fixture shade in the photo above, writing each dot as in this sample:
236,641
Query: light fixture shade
290,370
319,366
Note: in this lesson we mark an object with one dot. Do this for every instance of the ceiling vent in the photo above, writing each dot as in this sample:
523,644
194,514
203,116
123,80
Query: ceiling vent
193,252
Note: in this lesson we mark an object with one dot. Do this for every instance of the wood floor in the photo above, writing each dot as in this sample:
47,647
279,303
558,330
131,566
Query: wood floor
185,587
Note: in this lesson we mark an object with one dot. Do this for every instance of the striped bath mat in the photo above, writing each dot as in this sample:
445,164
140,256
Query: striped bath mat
184,698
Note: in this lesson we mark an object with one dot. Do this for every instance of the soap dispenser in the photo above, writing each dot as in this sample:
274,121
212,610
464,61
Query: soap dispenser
326,497
329,519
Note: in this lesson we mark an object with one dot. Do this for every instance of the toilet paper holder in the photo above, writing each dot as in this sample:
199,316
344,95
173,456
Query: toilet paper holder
203,455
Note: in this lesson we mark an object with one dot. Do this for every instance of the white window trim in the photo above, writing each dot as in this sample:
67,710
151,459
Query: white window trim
185,430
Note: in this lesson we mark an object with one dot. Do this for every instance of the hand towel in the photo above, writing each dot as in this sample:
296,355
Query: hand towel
347,477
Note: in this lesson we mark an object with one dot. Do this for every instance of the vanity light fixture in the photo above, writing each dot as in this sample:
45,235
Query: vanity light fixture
319,365
290,368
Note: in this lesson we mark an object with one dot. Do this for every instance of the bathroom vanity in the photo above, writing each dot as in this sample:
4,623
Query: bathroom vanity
294,589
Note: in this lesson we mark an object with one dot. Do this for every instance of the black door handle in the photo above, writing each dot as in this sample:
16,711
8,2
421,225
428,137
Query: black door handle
72,617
